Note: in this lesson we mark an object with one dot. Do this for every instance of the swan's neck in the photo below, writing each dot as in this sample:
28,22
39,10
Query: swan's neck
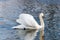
41,21
42,29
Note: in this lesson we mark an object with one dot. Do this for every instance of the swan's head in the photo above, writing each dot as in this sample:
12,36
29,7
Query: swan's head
41,14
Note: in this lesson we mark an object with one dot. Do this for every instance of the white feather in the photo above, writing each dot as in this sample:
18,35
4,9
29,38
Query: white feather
28,20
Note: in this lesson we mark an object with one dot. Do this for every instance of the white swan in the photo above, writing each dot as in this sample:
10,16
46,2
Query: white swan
29,27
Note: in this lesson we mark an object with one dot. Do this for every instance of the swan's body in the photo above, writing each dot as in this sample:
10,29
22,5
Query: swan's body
28,22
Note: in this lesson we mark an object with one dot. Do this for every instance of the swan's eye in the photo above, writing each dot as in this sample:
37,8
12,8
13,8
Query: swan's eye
24,29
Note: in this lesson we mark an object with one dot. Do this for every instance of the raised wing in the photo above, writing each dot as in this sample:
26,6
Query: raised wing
27,20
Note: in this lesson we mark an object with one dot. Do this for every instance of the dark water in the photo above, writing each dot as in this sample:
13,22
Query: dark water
10,10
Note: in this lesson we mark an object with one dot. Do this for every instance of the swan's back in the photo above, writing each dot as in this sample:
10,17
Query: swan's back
27,19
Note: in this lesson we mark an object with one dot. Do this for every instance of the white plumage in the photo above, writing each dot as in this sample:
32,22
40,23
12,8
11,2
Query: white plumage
28,28
28,20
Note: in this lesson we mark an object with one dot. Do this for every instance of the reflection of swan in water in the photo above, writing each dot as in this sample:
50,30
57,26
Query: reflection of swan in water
29,27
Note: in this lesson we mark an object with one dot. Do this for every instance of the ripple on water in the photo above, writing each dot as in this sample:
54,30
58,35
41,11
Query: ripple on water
6,34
